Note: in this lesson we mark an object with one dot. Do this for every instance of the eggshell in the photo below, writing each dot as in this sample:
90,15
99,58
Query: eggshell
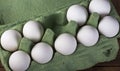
101,7
10,40
19,61
33,31
65,44
77,13
109,26
42,53
88,35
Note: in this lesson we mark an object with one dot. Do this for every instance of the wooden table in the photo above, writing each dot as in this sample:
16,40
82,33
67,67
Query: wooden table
108,66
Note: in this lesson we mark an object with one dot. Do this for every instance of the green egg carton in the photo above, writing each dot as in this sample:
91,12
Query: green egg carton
52,14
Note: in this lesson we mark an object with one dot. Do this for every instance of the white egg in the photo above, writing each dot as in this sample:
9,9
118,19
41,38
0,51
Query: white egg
102,7
65,44
88,35
10,40
19,61
33,31
78,14
109,26
42,53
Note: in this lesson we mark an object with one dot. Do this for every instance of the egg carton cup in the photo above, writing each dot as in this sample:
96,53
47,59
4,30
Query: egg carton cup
55,24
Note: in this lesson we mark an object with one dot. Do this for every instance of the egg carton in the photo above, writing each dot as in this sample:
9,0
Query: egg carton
53,18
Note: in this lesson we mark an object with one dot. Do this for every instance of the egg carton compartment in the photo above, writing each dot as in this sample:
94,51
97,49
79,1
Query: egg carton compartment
54,24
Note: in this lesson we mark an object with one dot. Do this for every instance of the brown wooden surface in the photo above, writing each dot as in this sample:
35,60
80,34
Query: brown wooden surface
107,66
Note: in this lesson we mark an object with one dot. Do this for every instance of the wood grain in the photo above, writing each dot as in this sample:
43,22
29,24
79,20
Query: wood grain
103,69
1,65
2,69
107,66
116,3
